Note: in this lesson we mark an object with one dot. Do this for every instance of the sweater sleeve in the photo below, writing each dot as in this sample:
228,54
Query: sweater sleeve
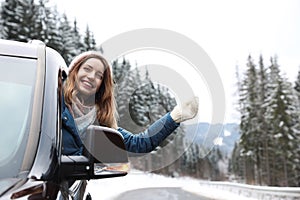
148,140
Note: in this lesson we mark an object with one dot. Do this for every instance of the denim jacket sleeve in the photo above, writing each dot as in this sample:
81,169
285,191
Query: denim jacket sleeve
148,140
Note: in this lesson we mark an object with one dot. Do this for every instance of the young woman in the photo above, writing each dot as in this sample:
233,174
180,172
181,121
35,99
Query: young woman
88,94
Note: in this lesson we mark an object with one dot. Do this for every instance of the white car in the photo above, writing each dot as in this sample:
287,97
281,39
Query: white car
31,162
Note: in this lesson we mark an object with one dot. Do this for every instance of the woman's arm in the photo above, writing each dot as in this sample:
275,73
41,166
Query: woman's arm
148,140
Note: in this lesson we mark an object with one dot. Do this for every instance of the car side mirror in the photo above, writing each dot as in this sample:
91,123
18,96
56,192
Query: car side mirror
104,156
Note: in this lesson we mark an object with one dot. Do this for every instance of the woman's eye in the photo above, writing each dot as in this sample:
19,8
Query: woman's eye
99,76
87,69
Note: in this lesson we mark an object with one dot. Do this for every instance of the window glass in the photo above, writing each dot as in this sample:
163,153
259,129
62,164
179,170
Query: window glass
17,80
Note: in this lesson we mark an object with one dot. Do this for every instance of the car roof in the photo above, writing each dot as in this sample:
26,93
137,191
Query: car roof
19,49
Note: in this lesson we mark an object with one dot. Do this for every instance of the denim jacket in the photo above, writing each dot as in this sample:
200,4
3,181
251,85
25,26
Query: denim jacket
136,143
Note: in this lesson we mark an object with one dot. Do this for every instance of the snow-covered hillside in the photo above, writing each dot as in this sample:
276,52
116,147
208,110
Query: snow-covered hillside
222,135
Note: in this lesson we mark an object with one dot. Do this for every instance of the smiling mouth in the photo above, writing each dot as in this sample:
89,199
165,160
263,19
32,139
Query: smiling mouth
87,84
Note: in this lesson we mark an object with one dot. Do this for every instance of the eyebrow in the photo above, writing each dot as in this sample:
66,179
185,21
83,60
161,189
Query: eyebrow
90,66
99,72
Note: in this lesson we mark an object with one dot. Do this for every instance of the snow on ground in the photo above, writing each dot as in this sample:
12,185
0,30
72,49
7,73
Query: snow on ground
108,189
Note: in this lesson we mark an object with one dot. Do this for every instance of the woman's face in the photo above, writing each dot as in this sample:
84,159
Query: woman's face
89,77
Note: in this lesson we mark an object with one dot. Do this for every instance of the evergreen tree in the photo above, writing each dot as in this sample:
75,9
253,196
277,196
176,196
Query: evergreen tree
268,150
89,40
120,70
140,103
215,157
144,105
48,20
297,150
249,120
79,45
237,163
126,83
282,115
262,173
297,87
18,20
24,20
68,50
40,23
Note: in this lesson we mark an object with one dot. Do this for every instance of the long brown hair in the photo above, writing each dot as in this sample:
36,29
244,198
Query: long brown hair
104,97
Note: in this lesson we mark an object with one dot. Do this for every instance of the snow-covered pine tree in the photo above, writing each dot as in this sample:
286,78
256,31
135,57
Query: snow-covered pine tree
297,150
24,20
141,101
297,86
216,158
236,165
282,115
18,20
78,41
248,124
127,81
120,70
89,41
269,143
66,33
47,23
39,26
262,159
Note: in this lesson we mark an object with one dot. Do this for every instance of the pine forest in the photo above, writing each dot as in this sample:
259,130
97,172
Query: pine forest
266,150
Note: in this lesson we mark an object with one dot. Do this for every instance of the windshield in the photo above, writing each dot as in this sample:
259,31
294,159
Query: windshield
17,80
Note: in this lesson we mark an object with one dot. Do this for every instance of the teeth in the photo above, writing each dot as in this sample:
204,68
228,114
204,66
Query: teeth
88,83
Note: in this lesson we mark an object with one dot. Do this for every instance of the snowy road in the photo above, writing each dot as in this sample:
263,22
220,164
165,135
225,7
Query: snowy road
171,193
137,183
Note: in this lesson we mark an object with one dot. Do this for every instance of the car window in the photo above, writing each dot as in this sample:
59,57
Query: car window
17,80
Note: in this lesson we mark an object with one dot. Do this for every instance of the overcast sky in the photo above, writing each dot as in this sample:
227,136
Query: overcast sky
227,30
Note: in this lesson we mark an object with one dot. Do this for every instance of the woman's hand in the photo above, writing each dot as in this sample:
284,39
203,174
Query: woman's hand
186,111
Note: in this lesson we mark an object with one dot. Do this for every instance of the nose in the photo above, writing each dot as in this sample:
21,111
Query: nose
91,75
